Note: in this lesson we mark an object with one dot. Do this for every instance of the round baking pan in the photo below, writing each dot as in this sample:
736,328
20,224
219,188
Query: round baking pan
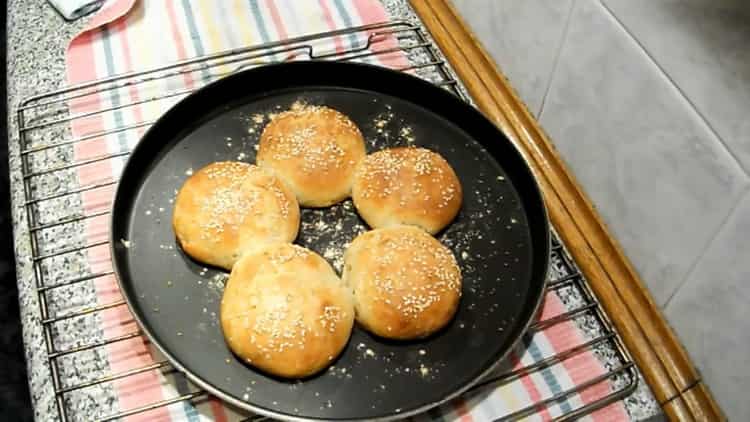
500,239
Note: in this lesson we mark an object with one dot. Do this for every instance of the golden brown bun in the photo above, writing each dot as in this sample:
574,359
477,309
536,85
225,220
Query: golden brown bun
286,312
314,150
227,209
406,284
412,186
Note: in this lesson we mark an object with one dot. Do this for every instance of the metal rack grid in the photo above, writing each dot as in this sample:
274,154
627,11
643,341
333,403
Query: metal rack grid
67,297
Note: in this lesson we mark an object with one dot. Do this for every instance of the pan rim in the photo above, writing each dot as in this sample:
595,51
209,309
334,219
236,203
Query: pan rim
208,387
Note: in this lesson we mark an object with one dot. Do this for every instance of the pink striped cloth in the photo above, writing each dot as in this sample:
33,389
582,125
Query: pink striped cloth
129,35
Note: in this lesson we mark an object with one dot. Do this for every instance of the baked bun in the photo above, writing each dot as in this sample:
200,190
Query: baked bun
406,284
412,186
314,150
227,209
285,311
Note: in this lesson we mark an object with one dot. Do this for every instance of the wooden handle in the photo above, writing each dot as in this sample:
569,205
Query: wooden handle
657,351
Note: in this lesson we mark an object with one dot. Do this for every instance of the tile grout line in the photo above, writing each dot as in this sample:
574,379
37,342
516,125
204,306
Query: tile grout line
677,87
563,39
745,193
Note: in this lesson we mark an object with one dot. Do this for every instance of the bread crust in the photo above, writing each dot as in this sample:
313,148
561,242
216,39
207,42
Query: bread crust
227,209
413,186
406,284
285,312
314,150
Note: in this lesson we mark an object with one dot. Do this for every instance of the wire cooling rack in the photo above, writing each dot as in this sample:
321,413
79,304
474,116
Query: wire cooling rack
65,283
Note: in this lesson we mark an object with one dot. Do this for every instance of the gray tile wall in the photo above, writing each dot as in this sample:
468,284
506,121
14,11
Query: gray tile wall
648,101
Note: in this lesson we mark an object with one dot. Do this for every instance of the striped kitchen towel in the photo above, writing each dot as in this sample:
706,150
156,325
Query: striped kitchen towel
130,35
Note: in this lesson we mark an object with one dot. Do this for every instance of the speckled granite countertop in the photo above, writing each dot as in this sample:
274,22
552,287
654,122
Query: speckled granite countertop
37,37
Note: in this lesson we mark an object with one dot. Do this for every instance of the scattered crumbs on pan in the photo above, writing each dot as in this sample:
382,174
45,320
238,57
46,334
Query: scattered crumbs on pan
335,255
423,370
422,352
125,243
369,353
329,231
381,125
215,284
241,156
189,172
382,120
148,212
407,134
299,104
254,122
